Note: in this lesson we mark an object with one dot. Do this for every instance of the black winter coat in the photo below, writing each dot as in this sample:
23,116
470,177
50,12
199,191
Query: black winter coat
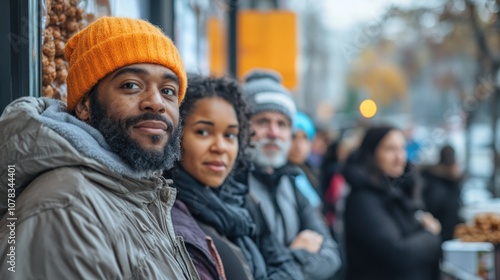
442,198
383,238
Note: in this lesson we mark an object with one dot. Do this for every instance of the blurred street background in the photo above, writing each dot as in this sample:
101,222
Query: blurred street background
430,67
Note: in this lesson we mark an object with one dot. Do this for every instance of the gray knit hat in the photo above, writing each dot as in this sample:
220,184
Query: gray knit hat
263,91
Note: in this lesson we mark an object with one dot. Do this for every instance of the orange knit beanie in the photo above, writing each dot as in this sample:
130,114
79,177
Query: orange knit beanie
110,43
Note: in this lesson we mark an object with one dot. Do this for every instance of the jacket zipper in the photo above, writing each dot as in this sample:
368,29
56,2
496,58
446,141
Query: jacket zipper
187,259
185,263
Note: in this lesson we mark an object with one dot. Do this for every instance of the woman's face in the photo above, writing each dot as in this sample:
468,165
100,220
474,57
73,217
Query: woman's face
300,149
390,153
210,141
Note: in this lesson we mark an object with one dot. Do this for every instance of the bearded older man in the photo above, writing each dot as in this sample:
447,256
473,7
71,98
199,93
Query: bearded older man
276,204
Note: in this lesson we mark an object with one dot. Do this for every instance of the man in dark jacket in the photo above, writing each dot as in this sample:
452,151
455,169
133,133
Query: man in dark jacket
85,198
277,204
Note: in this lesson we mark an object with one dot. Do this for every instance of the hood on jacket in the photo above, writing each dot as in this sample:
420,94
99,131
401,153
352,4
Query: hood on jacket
405,189
358,177
442,172
39,135
355,173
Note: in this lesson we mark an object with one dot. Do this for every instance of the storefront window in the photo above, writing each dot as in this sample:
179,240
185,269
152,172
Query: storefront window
190,34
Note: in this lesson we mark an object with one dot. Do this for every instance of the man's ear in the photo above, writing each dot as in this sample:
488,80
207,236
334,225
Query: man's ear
82,109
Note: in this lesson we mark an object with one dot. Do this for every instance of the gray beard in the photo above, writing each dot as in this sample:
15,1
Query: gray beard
274,160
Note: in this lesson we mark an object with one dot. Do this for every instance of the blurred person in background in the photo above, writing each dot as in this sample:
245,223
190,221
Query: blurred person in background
441,193
332,183
334,190
413,146
302,137
318,149
277,204
387,236
215,137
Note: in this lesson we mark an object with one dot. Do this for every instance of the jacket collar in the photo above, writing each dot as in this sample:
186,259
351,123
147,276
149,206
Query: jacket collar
38,135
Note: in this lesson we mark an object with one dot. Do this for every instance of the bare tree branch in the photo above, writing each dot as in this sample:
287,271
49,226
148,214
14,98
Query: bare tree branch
480,35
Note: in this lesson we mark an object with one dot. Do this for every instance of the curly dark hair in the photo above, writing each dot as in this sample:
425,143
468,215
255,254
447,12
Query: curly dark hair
201,87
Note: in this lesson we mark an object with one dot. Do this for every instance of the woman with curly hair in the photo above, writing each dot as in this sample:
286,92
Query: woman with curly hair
214,142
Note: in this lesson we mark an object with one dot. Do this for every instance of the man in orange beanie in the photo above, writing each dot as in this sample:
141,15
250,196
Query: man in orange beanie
81,196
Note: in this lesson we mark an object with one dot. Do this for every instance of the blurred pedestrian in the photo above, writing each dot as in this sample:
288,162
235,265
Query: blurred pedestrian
90,203
332,182
215,137
278,205
387,235
302,137
442,190
318,149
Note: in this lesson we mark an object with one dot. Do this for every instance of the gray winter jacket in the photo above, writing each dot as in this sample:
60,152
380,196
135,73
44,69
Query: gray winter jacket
286,212
72,209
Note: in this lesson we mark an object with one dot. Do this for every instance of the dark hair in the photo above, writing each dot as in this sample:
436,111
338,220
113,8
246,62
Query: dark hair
447,155
373,136
200,87
331,155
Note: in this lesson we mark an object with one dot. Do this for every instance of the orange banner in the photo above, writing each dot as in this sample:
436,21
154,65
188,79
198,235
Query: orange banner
268,39
217,46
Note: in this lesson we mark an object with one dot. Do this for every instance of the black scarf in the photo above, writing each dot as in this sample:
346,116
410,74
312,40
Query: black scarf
223,210
273,179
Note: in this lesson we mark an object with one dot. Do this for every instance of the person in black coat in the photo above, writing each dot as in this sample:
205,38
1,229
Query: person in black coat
442,191
387,236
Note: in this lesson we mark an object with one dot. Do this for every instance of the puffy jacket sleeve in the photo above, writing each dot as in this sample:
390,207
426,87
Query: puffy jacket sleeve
280,263
325,263
366,217
57,244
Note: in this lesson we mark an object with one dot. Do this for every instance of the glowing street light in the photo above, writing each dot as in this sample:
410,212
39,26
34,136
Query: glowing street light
368,108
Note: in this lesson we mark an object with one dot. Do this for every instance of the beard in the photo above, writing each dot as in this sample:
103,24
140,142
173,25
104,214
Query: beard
120,142
270,159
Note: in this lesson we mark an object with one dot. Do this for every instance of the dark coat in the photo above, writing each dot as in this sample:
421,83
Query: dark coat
198,244
442,198
383,238
235,265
